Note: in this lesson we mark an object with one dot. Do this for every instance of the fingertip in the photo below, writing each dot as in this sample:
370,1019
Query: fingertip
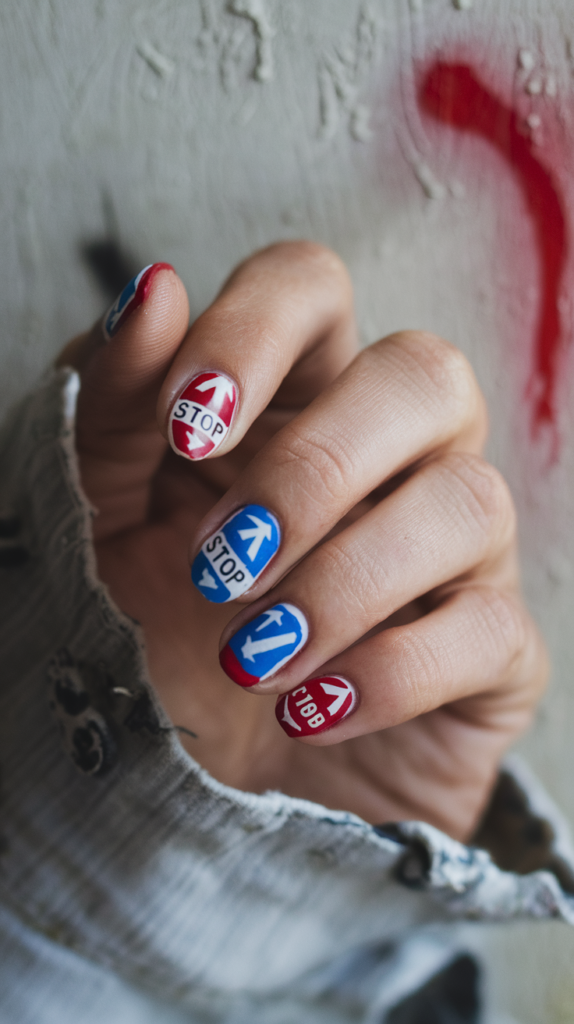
144,328
134,294
316,706
152,309
165,305
202,416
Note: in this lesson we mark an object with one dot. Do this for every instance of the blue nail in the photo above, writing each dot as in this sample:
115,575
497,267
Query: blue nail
232,558
264,645
128,300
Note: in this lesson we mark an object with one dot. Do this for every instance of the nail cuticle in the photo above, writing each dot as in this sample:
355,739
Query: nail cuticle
316,706
232,558
264,645
201,417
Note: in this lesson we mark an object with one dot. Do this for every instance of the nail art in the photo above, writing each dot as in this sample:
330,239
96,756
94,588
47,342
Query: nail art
132,296
264,645
232,558
201,417
316,705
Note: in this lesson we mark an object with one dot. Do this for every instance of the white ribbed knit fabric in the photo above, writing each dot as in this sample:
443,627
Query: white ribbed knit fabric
133,886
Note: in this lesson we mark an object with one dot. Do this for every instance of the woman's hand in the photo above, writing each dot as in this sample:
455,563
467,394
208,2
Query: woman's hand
385,618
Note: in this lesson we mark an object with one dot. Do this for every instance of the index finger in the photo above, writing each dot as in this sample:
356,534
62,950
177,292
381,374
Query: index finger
281,329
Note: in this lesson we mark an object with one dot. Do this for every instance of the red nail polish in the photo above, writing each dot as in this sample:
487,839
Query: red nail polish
133,295
200,419
316,705
265,644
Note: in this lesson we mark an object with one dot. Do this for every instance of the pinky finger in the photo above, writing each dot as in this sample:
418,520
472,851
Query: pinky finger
480,648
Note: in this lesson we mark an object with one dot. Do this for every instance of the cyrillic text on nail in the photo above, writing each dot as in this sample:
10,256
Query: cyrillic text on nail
316,705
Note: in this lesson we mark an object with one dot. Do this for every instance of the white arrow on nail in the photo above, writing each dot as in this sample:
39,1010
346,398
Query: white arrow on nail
221,387
207,580
193,442
287,716
252,647
259,532
340,693
273,615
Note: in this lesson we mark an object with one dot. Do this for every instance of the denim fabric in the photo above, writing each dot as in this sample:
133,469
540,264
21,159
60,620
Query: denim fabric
133,885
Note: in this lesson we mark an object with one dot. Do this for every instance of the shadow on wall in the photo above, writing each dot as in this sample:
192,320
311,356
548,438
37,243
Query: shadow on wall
110,267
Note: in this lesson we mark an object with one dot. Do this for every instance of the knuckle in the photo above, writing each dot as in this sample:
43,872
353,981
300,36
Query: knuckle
320,257
443,373
518,638
328,267
418,669
319,254
323,465
314,260
356,579
419,661
502,618
444,363
483,493
298,261
427,662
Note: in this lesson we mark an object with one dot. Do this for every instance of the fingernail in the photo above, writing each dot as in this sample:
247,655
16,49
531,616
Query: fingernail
316,705
232,558
264,645
201,417
132,296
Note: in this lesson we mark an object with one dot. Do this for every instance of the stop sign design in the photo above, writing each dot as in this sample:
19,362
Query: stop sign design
234,556
201,416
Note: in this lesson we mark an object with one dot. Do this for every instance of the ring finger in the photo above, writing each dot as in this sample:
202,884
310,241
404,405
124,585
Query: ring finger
479,648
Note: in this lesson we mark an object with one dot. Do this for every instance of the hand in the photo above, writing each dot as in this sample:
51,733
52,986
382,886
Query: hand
393,542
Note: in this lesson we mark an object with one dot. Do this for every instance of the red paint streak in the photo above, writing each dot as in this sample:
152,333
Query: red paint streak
453,94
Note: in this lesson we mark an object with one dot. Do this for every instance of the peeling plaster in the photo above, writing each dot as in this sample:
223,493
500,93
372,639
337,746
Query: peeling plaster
343,72
427,179
158,62
256,12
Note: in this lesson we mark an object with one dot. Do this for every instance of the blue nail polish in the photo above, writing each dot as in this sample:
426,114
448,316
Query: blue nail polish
264,645
128,300
231,559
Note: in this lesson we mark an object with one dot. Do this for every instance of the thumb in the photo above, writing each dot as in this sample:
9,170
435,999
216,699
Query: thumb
122,362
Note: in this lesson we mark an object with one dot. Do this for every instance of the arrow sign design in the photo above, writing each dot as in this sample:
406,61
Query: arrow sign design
221,387
273,615
287,716
340,692
259,532
193,442
252,647
207,580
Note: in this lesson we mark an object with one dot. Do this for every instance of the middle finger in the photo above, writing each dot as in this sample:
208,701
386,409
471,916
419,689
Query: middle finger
405,398
453,517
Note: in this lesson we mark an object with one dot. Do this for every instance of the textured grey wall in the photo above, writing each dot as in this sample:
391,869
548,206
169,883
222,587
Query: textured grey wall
195,132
